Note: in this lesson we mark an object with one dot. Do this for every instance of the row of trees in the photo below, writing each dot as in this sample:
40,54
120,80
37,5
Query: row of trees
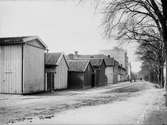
152,53
143,21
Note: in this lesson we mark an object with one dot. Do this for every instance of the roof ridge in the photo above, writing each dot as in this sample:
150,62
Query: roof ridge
77,65
12,37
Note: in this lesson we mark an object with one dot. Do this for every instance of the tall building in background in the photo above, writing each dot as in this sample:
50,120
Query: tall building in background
129,70
119,54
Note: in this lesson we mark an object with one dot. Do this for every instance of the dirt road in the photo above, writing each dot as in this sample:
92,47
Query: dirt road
106,104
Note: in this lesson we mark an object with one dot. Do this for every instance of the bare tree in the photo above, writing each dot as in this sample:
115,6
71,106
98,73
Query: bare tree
151,52
137,19
136,16
149,72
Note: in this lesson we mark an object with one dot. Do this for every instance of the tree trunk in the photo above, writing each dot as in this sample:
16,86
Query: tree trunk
165,46
164,74
161,77
158,78
166,77
164,34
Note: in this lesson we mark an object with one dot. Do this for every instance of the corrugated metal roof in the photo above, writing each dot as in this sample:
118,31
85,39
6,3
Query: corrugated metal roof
109,61
78,65
52,58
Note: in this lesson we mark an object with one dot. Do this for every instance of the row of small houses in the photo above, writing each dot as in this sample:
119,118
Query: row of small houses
26,67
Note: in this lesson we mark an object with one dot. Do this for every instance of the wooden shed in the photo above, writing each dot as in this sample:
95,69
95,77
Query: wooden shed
80,74
56,69
22,65
109,70
99,71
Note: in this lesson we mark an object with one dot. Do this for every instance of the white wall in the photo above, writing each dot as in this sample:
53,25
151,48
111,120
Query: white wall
33,69
60,79
10,69
109,74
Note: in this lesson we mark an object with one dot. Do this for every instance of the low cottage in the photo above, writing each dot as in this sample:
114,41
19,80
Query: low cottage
56,69
80,74
109,70
99,71
22,65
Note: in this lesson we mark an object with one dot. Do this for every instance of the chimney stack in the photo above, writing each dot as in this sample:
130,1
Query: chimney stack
76,54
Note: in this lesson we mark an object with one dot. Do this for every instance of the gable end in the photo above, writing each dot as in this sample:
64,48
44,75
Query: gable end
35,43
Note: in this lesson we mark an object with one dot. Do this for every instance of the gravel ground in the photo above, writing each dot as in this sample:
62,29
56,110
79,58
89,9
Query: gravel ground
157,114
15,108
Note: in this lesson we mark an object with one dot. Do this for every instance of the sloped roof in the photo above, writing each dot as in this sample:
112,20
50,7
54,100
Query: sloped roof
52,58
20,40
96,61
92,56
109,61
12,40
77,65
73,56
93,61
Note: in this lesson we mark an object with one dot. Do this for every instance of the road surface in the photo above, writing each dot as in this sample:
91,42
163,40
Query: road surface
124,103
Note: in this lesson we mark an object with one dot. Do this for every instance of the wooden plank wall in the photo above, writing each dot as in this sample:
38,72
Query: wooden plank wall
33,69
109,74
10,73
75,80
61,75
88,77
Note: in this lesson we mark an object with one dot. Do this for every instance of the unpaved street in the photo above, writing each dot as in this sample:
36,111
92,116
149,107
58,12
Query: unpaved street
113,104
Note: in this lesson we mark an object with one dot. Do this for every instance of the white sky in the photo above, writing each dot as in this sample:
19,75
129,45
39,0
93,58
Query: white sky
62,24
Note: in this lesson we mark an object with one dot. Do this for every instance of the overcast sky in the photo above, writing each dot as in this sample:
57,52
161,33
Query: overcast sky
63,25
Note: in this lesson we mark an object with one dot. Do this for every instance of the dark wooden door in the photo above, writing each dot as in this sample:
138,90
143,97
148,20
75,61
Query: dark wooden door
50,81
93,80
97,77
